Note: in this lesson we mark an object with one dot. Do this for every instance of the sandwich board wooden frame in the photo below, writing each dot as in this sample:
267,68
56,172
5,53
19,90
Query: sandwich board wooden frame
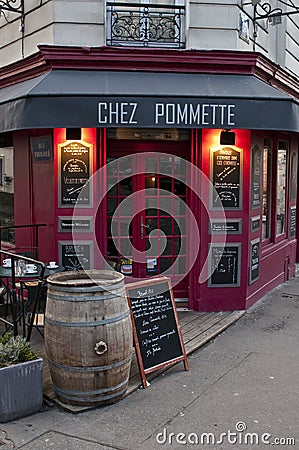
156,329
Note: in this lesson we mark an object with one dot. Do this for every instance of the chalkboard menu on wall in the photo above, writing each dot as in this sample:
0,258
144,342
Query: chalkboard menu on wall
68,224
157,334
75,169
224,265
75,256
255,223
230,226
293,221
226,165
256,179
41,147
254,270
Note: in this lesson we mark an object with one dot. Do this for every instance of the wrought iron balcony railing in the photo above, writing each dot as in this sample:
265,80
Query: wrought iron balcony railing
145,25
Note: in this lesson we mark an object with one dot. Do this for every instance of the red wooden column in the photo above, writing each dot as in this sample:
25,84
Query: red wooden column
74,228
100,209
33,192
195,206
225,288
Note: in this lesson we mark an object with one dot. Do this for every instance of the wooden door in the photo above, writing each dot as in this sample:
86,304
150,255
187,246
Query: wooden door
146,211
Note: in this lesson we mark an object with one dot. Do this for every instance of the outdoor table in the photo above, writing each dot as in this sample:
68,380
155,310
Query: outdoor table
6,272
15,296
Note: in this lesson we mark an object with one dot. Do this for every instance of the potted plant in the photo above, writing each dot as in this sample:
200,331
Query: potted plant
21,386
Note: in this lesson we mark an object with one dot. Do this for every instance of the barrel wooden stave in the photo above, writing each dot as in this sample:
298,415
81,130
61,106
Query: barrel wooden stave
77,318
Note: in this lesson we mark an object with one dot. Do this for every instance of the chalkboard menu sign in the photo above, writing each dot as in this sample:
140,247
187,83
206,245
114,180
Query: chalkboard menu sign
41,147
231,226
254,270
256,172
75,168
255,223
226,165
75,256
157,334
293,221
224,265
75,224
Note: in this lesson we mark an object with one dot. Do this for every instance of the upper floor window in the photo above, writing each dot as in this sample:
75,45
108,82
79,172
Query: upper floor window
144,24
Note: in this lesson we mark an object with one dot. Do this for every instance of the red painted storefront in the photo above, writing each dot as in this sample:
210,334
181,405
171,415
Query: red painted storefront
257,254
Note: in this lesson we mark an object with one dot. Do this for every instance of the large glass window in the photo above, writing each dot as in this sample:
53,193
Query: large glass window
6,193
267,166
281,187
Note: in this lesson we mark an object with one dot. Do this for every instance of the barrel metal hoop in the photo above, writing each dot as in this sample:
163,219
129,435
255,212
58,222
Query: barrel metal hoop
90,369
86,298
84,289
80,396
88,324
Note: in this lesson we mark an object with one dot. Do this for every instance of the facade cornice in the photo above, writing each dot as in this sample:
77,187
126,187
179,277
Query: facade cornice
276,76
135,59
24,69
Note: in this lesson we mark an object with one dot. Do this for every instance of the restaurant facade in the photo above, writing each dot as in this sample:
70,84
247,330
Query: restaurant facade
182,164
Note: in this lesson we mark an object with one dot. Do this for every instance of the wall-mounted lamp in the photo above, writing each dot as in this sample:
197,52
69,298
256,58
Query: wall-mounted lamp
275,19
6,139
264,10
73,134
15,6
227,137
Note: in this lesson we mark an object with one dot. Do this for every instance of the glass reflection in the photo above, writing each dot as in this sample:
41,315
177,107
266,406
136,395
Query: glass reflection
281,188
266,217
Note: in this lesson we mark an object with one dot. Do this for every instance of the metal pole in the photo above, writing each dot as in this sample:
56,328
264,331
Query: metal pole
14,298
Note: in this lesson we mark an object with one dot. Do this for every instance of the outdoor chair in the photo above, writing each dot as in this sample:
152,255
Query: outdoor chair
31,288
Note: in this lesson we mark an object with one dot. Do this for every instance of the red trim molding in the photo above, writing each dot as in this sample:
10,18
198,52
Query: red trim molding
112,58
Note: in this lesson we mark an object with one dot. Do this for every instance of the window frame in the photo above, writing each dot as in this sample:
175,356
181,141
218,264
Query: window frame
269,146
275,140
1,170
282,236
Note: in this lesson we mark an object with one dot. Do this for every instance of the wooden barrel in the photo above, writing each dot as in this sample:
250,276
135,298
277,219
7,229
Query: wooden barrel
88,336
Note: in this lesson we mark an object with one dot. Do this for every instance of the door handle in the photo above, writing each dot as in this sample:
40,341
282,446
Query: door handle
142,227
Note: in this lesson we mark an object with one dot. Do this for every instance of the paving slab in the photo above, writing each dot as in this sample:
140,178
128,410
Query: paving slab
60,441
246,377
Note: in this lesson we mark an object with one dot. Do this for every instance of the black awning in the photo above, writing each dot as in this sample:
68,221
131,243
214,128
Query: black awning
74,98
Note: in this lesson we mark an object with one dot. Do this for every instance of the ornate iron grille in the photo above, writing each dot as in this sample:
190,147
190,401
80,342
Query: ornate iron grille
145,25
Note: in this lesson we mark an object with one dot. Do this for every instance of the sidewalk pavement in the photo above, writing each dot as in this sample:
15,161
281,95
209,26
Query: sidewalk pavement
242,391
